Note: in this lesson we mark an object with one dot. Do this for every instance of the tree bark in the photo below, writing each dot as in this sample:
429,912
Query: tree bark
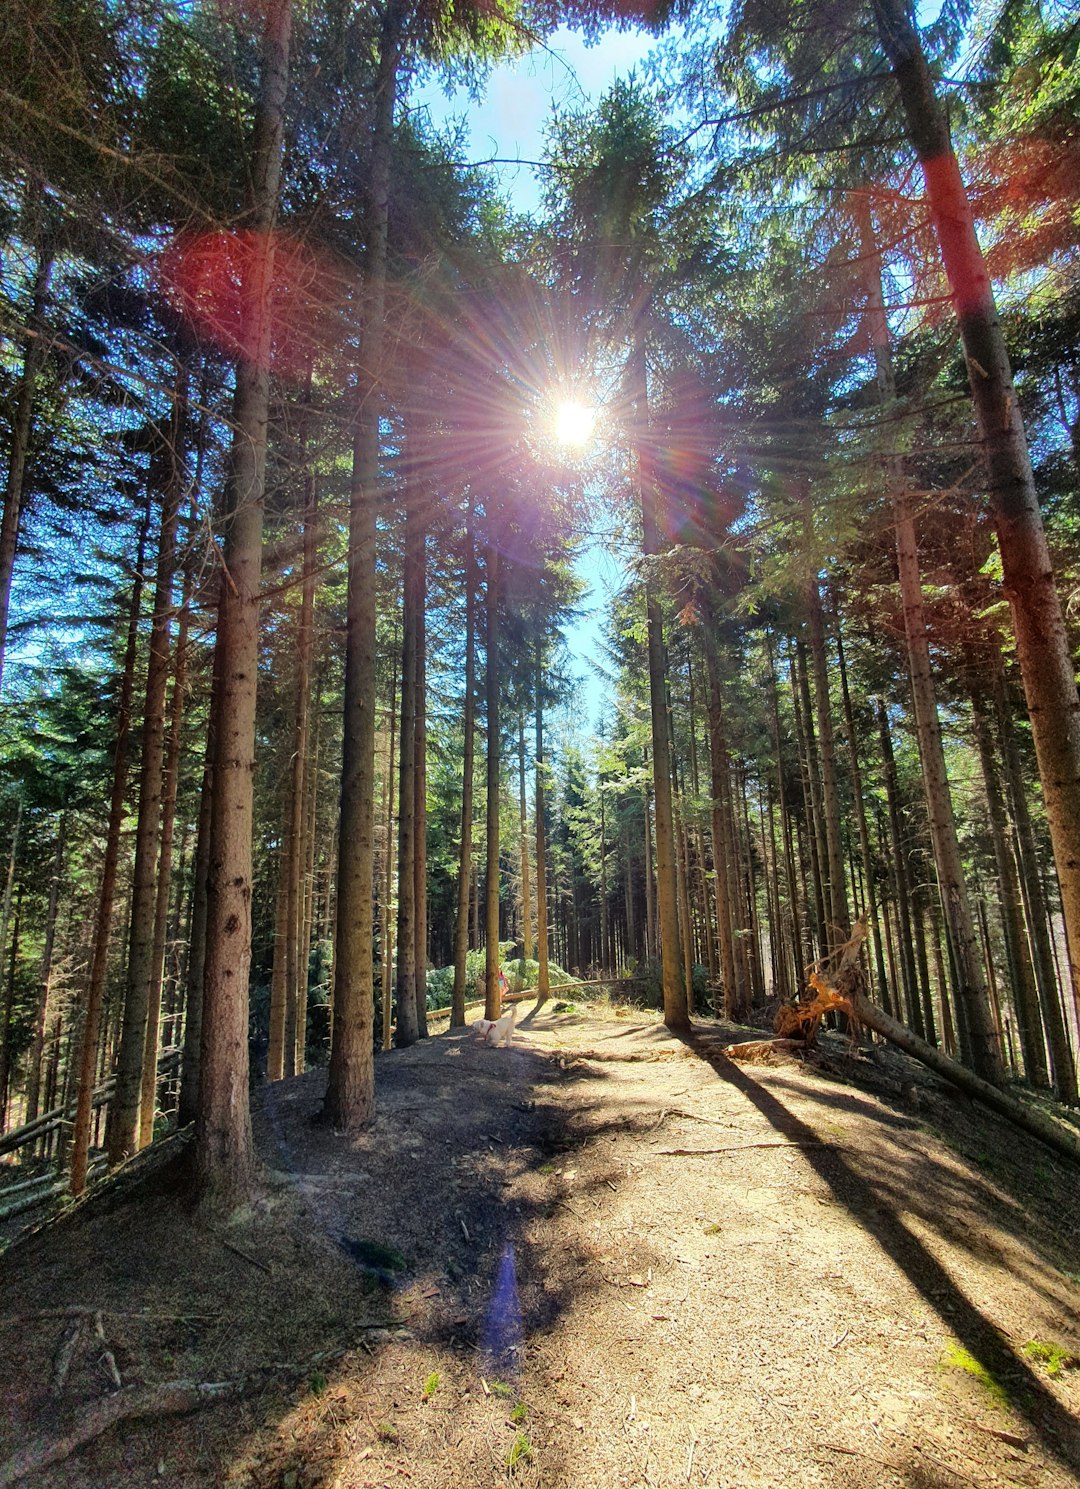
676,1013
1025,994
523,821
124,1127
468,766
1061,1057
1043,650
900,875
492,997
95,991
223,1156
41,1013
406,1028
860,817
420,919
350,1094
543,990
387,984
835,888
170,784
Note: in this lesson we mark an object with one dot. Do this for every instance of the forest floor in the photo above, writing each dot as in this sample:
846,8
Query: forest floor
603,1257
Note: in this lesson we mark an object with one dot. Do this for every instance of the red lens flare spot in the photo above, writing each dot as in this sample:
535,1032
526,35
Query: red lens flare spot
204,275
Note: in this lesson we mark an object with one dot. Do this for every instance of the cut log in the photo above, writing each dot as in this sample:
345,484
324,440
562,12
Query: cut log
761,1051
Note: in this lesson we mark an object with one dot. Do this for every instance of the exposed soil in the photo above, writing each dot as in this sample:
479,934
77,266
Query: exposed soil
603,1257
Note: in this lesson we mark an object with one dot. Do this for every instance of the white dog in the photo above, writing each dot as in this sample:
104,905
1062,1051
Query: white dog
497,1031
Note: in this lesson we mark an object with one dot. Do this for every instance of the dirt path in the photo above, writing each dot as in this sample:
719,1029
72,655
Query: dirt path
626,1261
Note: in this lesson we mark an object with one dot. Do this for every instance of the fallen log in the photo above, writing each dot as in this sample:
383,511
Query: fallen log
174,1398
848,989
1039,1123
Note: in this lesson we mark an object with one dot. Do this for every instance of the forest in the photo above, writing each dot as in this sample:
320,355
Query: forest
312,440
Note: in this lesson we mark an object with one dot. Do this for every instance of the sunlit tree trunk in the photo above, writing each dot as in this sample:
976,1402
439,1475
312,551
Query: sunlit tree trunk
860,817
468,766
406,1029
223,1151
542,978
492,998
811,772
898,857
835,893
1042,956
1043,649
676,1013
350,1094
523,819
1025,994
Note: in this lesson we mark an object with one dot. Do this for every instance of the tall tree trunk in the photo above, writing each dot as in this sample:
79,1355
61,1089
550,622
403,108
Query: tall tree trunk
1043,650
492,997
976,1026
41,1012
860,817
808,764
898,856
285,1055
650,880
420,919
95,991
35,349
350,1093
170,784
542,977
124,1128
1025,994
388,874
523,820
223,1153
9,993
1062,1064
839,922
800,959
406,1029
468,766
191,1066
676,1014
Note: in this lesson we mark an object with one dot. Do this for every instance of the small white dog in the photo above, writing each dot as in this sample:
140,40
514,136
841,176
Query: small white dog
497,1031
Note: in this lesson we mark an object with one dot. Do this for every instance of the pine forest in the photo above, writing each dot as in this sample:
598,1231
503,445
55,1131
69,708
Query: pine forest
511,647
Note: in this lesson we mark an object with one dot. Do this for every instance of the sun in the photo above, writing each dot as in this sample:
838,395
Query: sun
574,422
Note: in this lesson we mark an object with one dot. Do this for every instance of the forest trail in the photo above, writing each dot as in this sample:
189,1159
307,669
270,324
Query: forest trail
608,1258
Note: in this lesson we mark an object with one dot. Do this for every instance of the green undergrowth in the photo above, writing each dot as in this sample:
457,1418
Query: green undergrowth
959,1358
521,976
1053,1358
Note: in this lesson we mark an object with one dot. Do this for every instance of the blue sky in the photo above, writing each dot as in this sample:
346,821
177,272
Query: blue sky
508,122
518,97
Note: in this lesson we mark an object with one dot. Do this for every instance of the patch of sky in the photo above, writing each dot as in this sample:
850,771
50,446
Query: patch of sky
505,124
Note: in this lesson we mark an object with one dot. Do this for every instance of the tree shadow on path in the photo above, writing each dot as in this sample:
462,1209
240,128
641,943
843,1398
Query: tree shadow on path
1055,1428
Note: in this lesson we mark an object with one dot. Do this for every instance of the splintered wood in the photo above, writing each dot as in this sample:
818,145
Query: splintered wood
797,1024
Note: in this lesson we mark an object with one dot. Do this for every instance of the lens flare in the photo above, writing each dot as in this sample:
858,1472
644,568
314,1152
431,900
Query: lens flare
503,1333
574,423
